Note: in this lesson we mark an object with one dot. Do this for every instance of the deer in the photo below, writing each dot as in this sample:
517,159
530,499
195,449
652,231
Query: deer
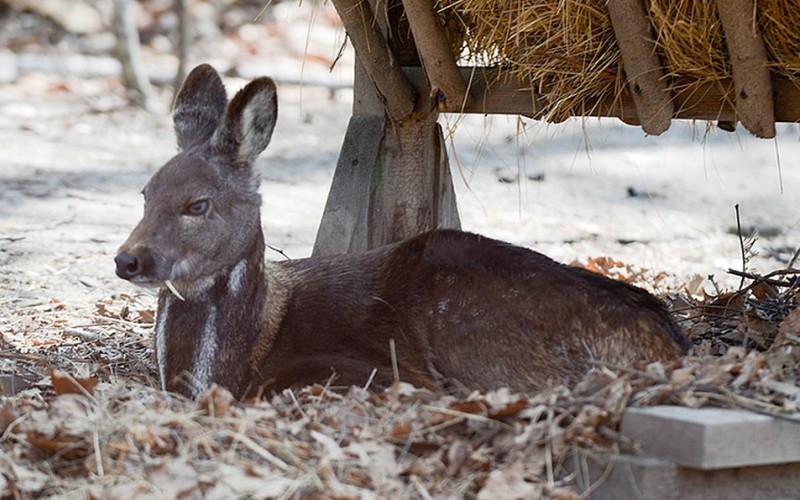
448,311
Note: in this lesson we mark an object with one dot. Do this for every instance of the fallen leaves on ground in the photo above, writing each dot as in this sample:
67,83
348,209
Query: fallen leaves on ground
99,433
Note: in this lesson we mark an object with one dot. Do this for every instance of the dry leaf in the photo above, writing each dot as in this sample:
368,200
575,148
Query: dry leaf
752,364
68,447
153,439
332,449
763,290
147,316
7,416
682,376
102,310
757,330
175,478
216,401
509,410
473,407
457,454
400,430
789,327
64,383
357,478
727,305
509,483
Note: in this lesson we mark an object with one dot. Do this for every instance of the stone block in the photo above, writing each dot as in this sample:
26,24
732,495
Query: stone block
616,477
712,438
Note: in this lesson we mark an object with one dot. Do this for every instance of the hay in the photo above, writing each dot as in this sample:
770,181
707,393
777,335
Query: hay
566,49
780,27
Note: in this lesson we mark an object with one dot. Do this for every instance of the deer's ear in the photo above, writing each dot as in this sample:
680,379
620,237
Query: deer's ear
199,106
249,121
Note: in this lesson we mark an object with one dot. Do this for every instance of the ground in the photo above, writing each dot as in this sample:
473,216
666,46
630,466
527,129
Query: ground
74,155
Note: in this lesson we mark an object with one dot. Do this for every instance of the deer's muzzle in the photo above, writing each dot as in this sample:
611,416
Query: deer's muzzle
134,266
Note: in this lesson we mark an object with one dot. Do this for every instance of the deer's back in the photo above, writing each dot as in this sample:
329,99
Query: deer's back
462,310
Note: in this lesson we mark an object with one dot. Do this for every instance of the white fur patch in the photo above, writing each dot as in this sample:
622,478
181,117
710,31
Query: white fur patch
204,357
236,277
181,268
161,341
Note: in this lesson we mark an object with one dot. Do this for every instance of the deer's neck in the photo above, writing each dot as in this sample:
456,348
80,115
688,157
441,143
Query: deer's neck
204,339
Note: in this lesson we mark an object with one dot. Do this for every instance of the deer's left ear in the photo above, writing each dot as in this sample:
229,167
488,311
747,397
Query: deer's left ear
249,121
198,107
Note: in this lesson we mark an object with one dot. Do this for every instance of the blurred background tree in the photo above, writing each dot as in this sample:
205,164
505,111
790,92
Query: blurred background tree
81,38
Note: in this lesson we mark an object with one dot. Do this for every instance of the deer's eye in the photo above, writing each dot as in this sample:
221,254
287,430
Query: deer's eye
197,208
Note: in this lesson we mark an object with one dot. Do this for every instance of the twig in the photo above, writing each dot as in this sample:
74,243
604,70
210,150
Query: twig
83,335
297,405
548,448
97,453
280,251
792,338
625,369
782,272
741,244
438,427
257,448
393,352
794,258
370,379
749,404
714,282
456,413
758,278
420,487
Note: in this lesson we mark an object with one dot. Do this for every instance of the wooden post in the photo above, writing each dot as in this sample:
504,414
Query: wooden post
645,77
754,105
392,180
412,190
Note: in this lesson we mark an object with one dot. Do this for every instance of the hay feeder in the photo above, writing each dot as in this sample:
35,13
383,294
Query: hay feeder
646,62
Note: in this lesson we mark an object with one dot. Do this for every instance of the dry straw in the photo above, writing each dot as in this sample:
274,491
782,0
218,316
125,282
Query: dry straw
566,49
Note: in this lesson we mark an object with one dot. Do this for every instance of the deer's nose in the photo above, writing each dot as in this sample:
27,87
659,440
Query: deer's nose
127,266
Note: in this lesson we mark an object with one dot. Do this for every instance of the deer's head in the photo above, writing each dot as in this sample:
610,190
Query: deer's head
201,209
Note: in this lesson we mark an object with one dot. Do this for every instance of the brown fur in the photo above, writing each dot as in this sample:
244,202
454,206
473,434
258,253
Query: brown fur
463,311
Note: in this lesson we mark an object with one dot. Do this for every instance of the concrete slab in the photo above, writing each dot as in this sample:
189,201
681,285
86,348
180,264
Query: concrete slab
616,477
712,438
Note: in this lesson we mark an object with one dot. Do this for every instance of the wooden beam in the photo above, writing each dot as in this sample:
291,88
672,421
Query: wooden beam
707,101
645,78
372,51
490,95
447,84
754,105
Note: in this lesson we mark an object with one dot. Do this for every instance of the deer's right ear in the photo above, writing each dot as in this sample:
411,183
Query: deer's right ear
249,121
199,106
